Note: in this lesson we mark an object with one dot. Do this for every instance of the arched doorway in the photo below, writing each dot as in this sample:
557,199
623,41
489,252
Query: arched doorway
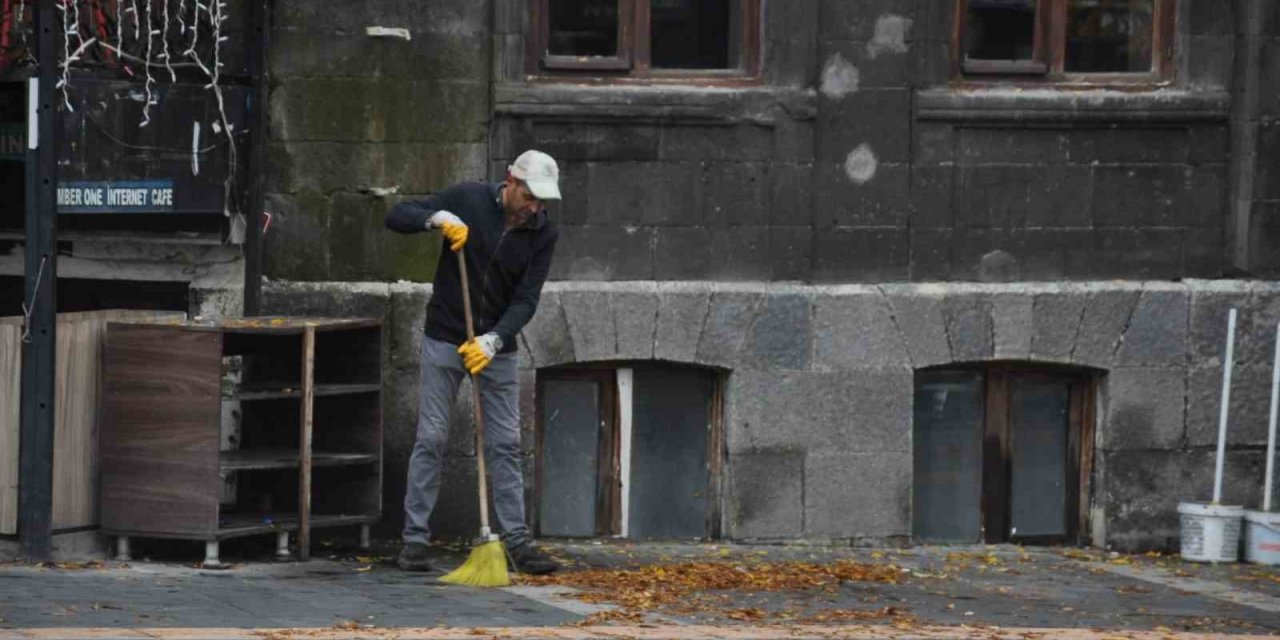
1002,452
628,450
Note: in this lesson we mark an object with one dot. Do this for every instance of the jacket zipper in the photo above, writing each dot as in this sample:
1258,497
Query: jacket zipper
484,281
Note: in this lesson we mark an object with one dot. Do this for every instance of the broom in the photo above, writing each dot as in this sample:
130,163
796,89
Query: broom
487,564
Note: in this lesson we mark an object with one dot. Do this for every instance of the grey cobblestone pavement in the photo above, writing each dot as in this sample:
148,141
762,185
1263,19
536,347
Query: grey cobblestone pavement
978,587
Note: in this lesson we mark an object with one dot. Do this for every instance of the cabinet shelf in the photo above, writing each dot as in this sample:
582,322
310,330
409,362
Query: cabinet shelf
246,524
285,458
321,390
176,394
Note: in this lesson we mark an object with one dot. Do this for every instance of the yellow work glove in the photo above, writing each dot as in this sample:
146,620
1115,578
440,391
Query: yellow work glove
451,226
478,352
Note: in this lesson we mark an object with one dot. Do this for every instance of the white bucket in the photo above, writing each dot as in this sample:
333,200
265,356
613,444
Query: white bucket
1210,532
1262,537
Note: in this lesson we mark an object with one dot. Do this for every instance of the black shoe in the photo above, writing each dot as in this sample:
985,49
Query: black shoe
528,558
413,557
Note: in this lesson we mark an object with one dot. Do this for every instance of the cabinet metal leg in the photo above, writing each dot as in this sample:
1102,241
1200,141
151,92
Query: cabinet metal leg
122,549
282,545
211,560
364,536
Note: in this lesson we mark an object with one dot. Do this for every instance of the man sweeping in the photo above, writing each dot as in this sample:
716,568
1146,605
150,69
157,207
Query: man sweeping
506,242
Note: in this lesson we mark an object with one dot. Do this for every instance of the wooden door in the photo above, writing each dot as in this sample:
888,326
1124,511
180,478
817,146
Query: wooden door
1001,453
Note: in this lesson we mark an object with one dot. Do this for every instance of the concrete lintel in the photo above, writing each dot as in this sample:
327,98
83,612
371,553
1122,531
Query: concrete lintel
1018,105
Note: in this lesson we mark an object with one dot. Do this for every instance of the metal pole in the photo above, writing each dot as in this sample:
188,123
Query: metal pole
1271,427
35,496
259,29
1226,403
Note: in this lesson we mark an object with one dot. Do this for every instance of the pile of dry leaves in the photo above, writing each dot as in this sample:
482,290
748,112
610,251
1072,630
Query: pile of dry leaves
711,587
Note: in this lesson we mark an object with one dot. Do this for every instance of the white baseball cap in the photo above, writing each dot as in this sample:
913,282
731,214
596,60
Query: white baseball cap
539,171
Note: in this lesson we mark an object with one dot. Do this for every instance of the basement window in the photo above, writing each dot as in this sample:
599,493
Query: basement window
1086,41
650,39
1001,454
628,452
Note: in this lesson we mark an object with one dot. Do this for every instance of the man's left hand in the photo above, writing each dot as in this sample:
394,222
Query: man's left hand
478,352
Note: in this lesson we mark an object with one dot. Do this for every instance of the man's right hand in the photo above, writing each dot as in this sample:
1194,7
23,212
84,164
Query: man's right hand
453,228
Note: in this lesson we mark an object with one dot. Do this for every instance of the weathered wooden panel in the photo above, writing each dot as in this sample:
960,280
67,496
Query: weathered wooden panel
161,407
570,458
75,460
79,367
75,429
10,386
670,432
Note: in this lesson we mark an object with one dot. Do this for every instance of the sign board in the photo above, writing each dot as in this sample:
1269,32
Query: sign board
176,165
133,196
13,141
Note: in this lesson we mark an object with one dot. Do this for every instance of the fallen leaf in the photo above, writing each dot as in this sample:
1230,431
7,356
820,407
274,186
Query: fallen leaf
747,615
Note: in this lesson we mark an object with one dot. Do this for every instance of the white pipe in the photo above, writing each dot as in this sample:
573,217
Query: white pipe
626,382
1271,428
1226,402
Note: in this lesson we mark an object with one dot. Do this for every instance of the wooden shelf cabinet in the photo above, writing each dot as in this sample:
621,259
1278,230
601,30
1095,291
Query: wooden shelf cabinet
243,427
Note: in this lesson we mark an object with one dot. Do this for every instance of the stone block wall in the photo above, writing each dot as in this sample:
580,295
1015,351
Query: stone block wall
816,237
856,158
928,180
673,201
819,383
820,379
859,158
360,122
1265,208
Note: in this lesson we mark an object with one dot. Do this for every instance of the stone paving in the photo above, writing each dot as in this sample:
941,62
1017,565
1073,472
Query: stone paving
1000,591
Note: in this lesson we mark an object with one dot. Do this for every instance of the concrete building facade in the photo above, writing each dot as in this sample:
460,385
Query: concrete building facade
823,237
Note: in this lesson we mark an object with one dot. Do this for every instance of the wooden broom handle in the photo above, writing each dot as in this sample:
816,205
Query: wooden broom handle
475,397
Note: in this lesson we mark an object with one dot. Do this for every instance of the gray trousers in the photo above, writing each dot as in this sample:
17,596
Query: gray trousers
442,372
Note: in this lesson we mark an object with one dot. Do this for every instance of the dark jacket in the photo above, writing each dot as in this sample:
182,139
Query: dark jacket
505,269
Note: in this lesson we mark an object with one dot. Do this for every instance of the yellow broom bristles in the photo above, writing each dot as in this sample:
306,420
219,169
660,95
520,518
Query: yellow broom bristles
485,567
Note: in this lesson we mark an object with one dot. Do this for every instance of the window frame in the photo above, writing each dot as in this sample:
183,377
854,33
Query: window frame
997,448
997,451
1048,63
633,63
608,522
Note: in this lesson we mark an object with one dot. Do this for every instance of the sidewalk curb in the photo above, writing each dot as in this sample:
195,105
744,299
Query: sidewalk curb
1209,588
641,632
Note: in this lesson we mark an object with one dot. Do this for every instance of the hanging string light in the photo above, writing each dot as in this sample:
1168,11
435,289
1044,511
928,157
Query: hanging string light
148,100
165,40
182,22
158,22
120,32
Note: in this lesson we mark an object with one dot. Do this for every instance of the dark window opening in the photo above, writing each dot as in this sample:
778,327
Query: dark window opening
575,467
584,28
83,294
1109,35
1000,30
1001,454
690,35
631,452
645,38
13,150
947,437
1090,41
